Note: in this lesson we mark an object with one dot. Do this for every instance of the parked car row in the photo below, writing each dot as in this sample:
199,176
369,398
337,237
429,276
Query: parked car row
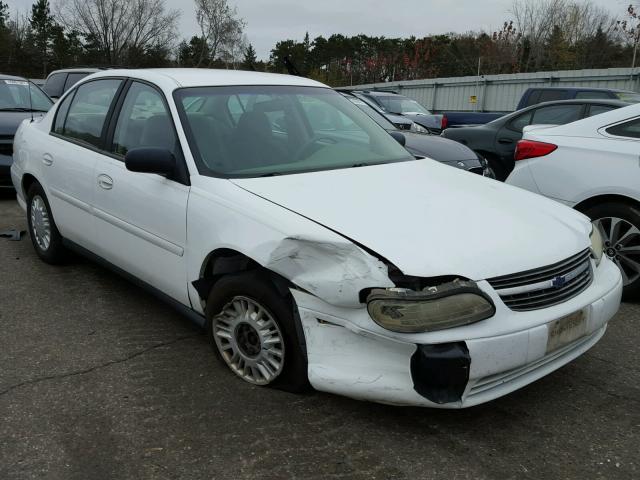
287,220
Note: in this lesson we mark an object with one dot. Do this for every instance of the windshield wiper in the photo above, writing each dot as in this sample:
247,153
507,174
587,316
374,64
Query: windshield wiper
20,109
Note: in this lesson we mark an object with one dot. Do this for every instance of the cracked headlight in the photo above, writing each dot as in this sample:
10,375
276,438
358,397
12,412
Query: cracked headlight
435,308
416,128
597,245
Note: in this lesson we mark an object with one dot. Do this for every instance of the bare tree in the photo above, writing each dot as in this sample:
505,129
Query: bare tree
220,26
115,26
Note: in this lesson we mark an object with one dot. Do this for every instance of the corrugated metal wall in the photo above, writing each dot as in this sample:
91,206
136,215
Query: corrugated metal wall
501,93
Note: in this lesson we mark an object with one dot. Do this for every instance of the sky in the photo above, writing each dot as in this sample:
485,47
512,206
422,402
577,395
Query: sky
269,21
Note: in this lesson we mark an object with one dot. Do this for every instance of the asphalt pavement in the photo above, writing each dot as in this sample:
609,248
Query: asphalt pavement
98,380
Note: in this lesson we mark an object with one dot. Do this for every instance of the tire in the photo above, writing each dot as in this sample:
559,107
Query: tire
500,170
620,227
45,237
241,346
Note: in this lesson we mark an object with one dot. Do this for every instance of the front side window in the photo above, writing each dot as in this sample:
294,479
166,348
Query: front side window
143,121
21,95
629,129
88,110
557,114
277,130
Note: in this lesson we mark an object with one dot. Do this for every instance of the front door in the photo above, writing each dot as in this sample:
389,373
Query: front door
140,217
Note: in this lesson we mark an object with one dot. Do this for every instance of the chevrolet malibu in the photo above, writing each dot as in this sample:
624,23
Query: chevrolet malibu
329,258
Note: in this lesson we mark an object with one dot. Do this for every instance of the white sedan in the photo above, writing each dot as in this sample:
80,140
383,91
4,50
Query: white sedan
592,165
313,255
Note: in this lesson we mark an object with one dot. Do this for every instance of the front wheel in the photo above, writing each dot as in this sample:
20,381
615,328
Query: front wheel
619,224
252,328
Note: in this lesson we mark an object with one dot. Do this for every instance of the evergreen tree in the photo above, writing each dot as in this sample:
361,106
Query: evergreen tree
42,27
250,58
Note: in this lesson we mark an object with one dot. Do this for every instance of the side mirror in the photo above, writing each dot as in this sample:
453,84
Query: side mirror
150,160
399,137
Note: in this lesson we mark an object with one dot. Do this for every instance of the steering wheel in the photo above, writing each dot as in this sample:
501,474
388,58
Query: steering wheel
309,146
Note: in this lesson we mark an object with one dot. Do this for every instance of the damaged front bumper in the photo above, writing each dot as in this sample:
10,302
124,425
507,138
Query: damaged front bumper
348,354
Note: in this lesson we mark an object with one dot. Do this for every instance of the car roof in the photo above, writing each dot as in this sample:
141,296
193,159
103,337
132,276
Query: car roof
579,89
204,77
77,70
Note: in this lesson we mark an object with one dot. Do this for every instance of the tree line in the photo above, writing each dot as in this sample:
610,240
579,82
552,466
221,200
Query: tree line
536,36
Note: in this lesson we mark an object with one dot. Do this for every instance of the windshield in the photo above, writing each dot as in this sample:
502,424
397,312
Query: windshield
630,97
366,108
252,131
14,95
400,104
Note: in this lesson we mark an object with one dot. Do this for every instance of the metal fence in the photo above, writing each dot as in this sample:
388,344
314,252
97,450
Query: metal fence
501,93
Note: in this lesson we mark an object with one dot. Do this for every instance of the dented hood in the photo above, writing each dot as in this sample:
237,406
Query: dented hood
430,219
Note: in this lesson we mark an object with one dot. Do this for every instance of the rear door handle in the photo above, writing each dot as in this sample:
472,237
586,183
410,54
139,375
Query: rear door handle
47,159
105,181
505,141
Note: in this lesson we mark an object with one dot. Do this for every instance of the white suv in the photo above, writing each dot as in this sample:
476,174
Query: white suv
593,166
317,255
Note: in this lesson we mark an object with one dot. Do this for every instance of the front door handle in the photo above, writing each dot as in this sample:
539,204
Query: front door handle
105,181
47,159
505,141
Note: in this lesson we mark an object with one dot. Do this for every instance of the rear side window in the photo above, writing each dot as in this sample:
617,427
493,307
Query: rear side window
592,94
557,114
597,109
72,79
551,95
629,129
143,121
54,84
88,111
533,98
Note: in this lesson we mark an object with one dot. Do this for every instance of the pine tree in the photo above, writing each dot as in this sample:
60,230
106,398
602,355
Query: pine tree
250,58
42,26
4,14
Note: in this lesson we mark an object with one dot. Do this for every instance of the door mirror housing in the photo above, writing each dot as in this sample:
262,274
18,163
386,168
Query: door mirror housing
150,160
399,137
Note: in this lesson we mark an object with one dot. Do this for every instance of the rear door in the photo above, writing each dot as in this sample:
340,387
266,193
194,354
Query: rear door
140,217
70,153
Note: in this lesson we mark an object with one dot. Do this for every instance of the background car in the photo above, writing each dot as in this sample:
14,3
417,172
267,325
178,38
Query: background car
433,146
496,141
392,105
59,81
592,165
533,96
19,100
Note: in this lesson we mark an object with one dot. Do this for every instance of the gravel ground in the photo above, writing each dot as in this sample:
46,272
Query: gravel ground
98,380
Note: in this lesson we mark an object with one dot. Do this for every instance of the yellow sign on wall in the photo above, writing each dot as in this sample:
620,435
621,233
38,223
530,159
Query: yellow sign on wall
473,99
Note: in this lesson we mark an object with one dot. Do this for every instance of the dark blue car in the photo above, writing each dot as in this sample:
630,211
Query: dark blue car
533,96
19,100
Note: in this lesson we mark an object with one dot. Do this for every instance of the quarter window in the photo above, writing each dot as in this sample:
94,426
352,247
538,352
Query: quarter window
54,84
520,122
88,111
629,129
143,121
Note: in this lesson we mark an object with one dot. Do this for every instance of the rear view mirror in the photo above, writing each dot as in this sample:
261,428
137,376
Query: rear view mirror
399,137
150,160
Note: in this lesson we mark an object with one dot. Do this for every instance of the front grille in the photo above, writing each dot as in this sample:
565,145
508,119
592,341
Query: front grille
546,286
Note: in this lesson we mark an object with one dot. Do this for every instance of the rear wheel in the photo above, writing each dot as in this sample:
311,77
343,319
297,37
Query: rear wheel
252,328
45,237
619,224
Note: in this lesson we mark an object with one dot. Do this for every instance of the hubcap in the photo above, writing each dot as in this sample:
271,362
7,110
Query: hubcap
622,245
249,340
40,223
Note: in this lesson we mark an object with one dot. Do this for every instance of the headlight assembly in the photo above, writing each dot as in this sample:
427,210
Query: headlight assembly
435,308
416,128
597,245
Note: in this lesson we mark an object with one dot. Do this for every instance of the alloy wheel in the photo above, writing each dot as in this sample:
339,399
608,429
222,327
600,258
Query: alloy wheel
40,223
622,245
249,340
